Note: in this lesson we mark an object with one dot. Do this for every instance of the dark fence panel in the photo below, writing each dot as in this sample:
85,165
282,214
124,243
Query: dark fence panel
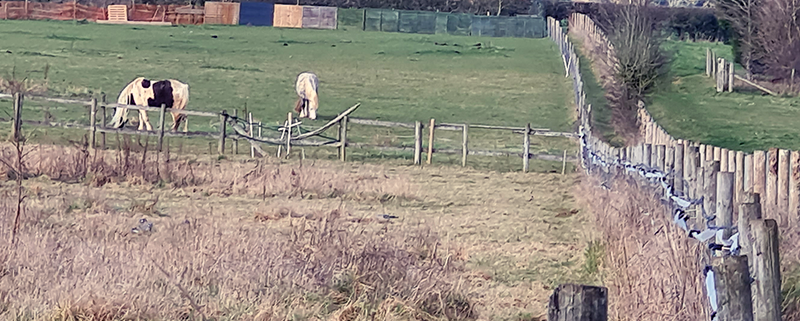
256,13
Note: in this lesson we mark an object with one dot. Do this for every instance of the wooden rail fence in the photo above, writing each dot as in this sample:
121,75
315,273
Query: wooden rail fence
705,180
244,128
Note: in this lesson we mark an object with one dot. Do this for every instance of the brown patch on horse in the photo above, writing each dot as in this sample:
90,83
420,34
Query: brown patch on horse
298,106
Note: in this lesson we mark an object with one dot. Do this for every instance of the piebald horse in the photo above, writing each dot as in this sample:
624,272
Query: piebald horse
144,92
307,99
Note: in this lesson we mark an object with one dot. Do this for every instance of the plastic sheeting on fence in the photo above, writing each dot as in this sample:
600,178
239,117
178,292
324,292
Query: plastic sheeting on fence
319,17
256,13
349,17
425,22
518,26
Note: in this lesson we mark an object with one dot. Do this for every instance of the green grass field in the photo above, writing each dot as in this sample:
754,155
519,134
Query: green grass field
396,77
689,107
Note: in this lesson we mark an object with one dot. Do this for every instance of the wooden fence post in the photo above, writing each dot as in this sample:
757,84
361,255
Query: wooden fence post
343,138
739,172
660,158
288,133
772,182
760,175
417,143
730,77
16,126
690,170
103,122
721,75
93,121
784,171
235,149
574,302
766,269
161,120
464,144
250,125
749,209
678,175
794,187
526,148
708,62
710,186
669,163
732,282
725,201
223,122
747,184
646,154
430,140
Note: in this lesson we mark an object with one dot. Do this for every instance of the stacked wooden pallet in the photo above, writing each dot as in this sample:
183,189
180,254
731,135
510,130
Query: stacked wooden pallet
118,14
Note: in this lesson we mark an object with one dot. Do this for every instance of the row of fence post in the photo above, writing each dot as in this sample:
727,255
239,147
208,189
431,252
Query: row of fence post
224,117
723,178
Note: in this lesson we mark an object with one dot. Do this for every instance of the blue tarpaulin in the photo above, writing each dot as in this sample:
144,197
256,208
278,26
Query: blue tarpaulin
256,13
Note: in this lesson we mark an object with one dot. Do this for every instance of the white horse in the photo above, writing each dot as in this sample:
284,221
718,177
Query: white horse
144,92
307,99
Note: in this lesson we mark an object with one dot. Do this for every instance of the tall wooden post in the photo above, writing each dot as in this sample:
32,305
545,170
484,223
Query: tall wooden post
749,209
103,122
430,140
772,182
16,127
760,174
417,143
678,175
93,121
708,62
162,113
235,149
730,77
794,186
725,201
783,180
669,163
732,282
288,134
710,186
747,184
526,148
766,269
660,158
342,138
573,302
250,132
739,173
690,168
464,144
223,122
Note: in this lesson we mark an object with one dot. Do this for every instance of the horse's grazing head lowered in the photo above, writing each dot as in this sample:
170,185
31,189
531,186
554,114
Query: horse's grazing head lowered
307,99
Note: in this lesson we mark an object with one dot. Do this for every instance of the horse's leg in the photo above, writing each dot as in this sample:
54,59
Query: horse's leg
145,120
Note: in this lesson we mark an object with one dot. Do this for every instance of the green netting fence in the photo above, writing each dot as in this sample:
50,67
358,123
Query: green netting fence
426,22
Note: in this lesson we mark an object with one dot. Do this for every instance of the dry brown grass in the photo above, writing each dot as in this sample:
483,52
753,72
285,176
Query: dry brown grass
83,263
654,270
277,240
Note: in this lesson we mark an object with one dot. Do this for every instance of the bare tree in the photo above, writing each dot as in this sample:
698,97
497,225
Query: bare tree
742,16
778,37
